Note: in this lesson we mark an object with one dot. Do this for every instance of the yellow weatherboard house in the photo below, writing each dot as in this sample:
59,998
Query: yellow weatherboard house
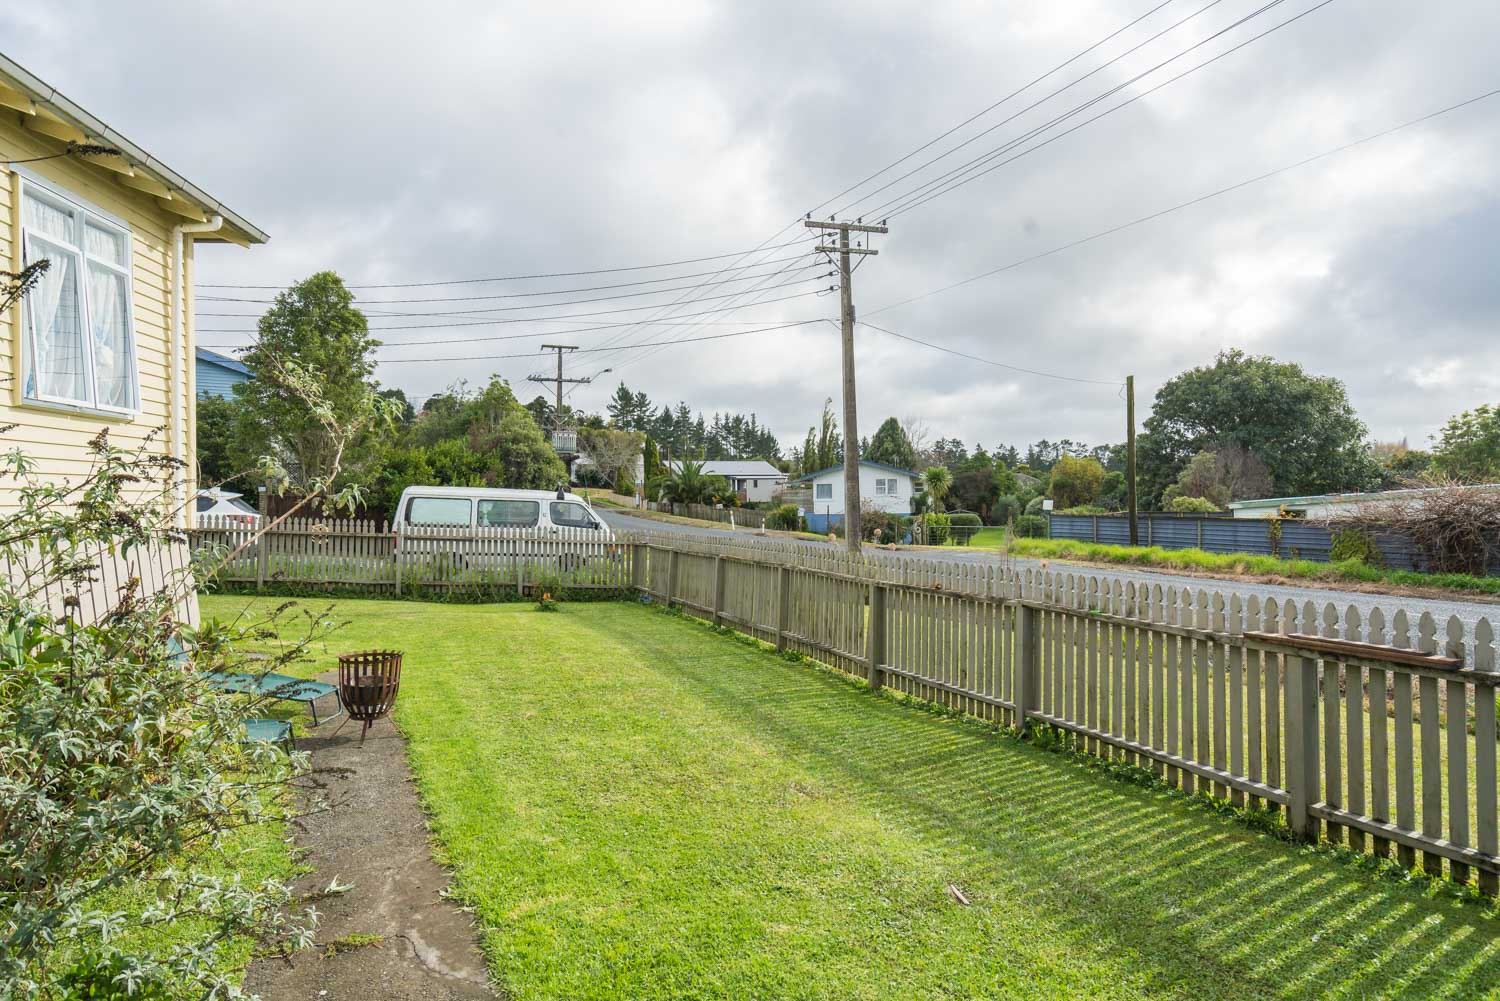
106,337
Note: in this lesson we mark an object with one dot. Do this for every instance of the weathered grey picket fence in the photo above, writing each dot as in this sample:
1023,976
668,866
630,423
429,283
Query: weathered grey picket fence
741,517
1379,734
368,556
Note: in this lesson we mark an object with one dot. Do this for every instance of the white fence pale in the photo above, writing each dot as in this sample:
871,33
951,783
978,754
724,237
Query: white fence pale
109,576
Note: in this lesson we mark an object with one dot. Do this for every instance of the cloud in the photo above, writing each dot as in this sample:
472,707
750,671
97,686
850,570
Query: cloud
481,139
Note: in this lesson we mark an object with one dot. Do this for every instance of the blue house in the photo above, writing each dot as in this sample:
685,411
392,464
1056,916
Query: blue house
219,374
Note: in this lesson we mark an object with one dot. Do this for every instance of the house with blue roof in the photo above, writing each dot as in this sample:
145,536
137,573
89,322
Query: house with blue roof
887,488
217,374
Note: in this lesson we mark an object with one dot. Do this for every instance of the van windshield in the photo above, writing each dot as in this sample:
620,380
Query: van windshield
567,514
438,511
508,513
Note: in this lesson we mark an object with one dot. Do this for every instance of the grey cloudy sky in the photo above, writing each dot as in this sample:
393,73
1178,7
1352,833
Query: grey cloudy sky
455,140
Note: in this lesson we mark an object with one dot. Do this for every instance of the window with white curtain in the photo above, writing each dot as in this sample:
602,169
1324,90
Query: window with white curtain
79,345
885,487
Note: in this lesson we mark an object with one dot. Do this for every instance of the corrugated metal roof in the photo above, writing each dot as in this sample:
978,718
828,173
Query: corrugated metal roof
737,467
213,357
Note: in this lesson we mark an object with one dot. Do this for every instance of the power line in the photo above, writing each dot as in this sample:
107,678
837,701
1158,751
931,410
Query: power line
508,295
905,200
544,305
1035,104
987,361
919,149
924,199
517,278
1194,201
972,118
688,340
530,319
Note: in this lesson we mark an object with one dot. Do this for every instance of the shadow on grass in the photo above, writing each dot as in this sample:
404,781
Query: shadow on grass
1200,903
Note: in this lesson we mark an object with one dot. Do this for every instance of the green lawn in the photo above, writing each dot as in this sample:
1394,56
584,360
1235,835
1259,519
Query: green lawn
637,808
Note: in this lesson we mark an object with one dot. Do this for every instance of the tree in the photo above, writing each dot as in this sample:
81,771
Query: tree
216,430
312,407
1399,463
688,484
1230,474
975,490
936,482
830,444
514,451
1076,481
891,446
613,453
1468,448
1301,427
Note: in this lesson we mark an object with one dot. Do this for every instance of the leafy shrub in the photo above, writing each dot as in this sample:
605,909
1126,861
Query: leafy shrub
1031,526
1192,505
117,764
1007,508
1086,509
938,529
1034,506
785,518
964,520
1355,544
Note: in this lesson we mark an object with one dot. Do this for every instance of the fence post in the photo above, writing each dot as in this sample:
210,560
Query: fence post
399,541
1026,681
671,578
1096,528
637,568
1150,531
783,598
875,636
1302,745
1200,533
718,616
262,559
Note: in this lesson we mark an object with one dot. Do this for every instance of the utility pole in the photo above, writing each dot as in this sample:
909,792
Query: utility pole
1130,457
557,379
851,422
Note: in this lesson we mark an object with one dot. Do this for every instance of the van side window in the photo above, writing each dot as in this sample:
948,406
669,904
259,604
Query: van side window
438,511
508,513
567,514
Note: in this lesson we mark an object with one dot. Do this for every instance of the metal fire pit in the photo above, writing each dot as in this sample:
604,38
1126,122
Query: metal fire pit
368,682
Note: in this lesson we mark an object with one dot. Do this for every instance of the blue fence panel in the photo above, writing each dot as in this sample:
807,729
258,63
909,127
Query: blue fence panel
1299,539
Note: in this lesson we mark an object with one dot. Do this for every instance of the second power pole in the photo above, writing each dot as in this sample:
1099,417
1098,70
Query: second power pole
851,421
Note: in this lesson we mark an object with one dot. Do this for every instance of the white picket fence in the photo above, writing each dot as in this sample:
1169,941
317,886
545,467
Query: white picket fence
110,577
371,556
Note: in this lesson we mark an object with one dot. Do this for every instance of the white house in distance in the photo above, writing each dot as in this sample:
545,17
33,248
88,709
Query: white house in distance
888,488
753,479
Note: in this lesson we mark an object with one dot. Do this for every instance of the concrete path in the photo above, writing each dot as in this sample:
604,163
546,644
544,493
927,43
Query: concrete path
374,839
1469,611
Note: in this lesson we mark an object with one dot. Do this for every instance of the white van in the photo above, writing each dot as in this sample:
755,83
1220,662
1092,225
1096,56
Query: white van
485,507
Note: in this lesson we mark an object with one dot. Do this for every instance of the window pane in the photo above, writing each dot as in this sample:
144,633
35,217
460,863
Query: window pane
114,370
49,220
508,513
567,514
52,310
103,244
438,511
824,491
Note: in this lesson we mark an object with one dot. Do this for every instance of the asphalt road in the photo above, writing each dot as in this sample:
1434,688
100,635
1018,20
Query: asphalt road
1441,608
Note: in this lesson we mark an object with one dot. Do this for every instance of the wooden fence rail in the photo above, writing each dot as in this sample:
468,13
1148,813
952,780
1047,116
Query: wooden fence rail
1376,732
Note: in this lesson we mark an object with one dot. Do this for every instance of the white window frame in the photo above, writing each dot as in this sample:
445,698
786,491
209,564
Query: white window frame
84,213
885,486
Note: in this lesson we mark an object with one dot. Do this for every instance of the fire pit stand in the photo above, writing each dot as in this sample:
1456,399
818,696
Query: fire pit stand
368,682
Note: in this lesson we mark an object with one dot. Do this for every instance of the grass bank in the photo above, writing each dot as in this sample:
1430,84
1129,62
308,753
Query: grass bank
636,807
1244,564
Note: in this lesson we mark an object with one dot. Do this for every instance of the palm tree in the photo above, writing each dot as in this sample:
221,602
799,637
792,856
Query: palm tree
689,485
937,479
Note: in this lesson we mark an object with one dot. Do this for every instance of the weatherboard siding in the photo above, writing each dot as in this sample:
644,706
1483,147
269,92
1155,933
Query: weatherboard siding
55,439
